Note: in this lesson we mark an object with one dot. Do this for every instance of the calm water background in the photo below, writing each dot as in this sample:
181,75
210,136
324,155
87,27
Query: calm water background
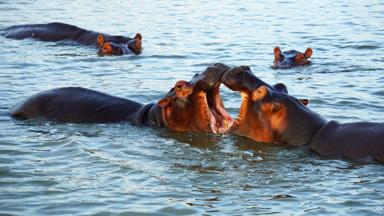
81,169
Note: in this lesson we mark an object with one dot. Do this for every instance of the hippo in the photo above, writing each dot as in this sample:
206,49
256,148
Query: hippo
56,31
291,58
268,114
194,106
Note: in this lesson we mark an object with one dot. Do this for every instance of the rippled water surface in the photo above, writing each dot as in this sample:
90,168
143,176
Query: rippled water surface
81,169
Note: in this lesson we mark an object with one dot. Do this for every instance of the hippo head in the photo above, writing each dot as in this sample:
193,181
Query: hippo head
196,105
267,113
112,48
291,58
135,44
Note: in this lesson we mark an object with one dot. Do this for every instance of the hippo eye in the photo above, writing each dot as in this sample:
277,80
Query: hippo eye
275,107
178,87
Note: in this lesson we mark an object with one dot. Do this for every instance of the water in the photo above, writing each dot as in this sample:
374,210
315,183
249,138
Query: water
80,169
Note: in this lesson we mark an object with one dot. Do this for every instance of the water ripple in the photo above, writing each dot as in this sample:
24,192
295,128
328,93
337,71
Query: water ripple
98,169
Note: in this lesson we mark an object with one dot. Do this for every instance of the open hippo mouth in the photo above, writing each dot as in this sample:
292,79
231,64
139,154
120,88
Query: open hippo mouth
210,106
217,117
196,106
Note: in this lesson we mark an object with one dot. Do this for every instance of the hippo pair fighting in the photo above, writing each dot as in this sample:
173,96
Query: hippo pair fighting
267,113
107,44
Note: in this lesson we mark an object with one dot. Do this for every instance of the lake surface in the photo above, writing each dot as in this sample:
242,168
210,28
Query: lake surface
100,169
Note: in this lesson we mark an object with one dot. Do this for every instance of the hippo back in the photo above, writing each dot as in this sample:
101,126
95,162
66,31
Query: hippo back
80,105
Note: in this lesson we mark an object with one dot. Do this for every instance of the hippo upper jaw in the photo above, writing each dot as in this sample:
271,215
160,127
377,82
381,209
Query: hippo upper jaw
208,83
242,79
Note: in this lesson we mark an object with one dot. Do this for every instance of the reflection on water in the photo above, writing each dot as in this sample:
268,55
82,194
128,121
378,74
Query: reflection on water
48,168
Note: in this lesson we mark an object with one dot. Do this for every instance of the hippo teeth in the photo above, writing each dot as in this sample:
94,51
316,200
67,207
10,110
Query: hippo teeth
208,116
223,119
243,110
216,117
213,121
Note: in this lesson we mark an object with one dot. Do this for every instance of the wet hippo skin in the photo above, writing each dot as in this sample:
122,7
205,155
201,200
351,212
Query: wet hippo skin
189,106
107,44
291,58
269,114
354,140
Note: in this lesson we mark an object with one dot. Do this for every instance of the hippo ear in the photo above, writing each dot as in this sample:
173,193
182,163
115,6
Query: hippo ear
100,41
304,101
260,93
308,52
281,87
277,53
138,44
138,36
164,102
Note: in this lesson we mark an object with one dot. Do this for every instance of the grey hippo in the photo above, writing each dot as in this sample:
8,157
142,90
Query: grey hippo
107,44
291,58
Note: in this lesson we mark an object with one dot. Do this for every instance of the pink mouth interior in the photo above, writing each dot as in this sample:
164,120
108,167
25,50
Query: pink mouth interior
221,121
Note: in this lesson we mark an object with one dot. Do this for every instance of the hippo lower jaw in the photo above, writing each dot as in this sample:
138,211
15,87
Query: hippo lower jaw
218,119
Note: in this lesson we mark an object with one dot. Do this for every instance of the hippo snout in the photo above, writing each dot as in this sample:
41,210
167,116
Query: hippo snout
241,79
233,78
211,77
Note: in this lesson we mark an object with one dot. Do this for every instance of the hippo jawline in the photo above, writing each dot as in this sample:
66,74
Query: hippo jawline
219,120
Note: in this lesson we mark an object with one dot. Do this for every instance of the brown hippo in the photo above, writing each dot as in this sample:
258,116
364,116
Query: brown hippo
291,58
269,114
189,106
107,44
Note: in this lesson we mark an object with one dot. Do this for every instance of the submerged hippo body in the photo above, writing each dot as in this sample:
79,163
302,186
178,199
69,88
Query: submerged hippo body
80,105
189,106
268,114
355,140
108,44
292,58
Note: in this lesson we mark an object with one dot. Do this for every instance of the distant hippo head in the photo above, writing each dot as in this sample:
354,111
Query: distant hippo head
267,113
196,105
291,58
112,48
